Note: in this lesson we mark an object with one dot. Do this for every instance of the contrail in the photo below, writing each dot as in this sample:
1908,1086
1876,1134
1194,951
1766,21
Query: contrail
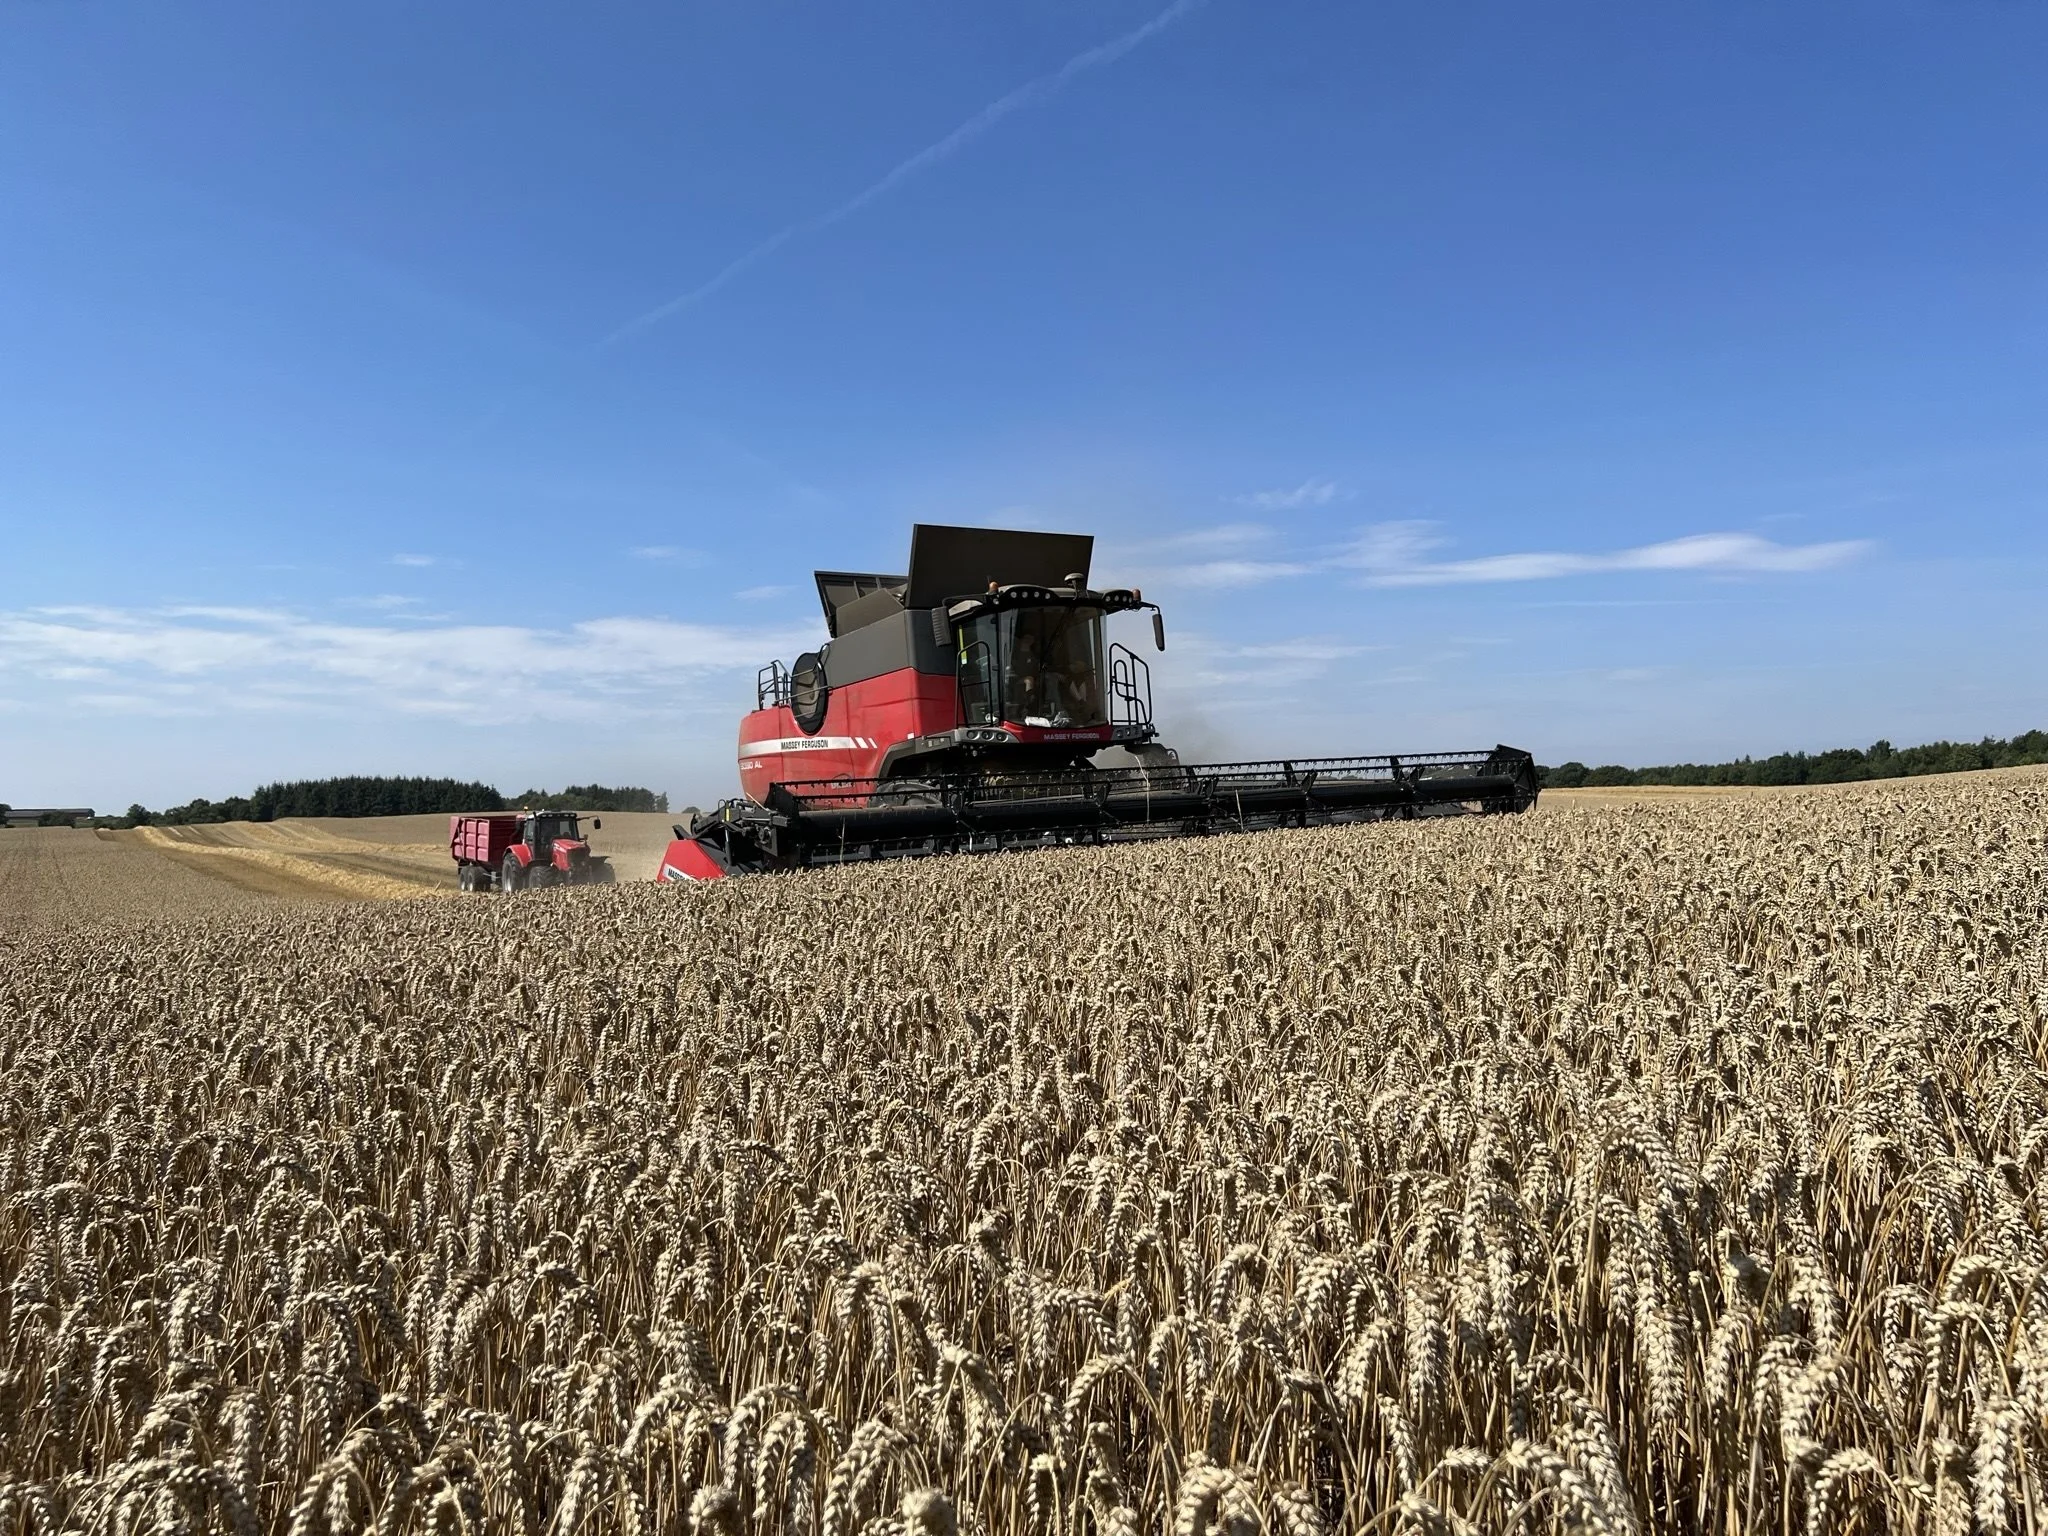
930,155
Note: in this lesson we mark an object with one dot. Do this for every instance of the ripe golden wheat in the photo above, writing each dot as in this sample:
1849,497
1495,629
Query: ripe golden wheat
1672,1168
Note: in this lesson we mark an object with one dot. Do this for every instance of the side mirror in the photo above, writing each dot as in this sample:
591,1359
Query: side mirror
1159,629
596,824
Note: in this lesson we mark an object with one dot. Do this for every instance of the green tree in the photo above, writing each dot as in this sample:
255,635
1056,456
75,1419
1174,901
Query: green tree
1837,765
593,797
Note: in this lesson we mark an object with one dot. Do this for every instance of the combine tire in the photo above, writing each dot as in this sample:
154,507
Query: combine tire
809,693
508,877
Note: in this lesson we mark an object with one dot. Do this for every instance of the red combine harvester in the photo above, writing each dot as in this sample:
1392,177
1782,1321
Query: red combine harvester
973,705
513,851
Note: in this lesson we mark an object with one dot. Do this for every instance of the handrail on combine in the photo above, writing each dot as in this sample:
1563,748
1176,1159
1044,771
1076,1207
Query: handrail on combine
771,686
1130,687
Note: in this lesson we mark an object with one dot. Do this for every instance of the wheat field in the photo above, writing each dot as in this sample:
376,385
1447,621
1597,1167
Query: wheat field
1662,1167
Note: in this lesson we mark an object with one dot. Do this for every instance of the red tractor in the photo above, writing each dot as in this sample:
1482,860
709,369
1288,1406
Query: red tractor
513,851
977,703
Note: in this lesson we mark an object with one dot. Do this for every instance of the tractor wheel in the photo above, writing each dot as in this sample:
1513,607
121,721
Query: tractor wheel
508,877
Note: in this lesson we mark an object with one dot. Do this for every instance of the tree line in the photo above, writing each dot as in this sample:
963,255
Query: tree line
593,797
1838,765
362,795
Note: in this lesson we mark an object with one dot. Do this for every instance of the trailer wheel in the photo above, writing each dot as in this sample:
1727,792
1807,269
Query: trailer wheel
464,880
508,877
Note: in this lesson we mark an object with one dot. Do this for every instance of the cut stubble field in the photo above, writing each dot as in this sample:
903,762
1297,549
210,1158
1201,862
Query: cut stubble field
54,877
1671,1163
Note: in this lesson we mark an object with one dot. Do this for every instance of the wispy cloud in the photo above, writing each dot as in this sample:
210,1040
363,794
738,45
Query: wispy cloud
1310,493
972,129
1409,554
1391,555
1225,536
414,560
1235,573
1227,555
674,553
202,661
1208,667
762,594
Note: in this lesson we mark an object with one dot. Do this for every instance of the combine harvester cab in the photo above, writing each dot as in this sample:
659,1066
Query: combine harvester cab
511,851
976,704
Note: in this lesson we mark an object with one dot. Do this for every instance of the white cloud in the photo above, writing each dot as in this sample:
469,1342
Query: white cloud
414,560
1310,493
675,552
1222,556
1391,556
232,660
1233,573
762,594
1389,546
1406,554
1205,667
1298,650
1222,537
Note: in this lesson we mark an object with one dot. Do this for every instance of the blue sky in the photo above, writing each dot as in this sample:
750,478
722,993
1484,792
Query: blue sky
471,389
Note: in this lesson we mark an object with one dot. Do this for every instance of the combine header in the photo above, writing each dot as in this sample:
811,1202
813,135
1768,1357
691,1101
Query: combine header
973,706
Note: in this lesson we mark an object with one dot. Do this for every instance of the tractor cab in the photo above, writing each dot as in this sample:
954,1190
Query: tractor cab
541,830
555,851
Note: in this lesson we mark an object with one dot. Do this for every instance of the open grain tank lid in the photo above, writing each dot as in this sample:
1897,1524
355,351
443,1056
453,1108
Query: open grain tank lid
852,599
959,562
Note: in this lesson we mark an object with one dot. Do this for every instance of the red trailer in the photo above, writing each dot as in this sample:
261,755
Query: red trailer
515,850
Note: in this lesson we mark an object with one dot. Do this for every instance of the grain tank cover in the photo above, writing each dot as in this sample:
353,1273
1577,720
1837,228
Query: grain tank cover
958,562
840,591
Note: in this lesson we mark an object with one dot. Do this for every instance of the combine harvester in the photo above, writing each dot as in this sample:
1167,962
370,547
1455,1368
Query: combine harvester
973,706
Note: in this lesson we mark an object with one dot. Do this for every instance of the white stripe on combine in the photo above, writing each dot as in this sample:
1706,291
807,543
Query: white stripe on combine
805,744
